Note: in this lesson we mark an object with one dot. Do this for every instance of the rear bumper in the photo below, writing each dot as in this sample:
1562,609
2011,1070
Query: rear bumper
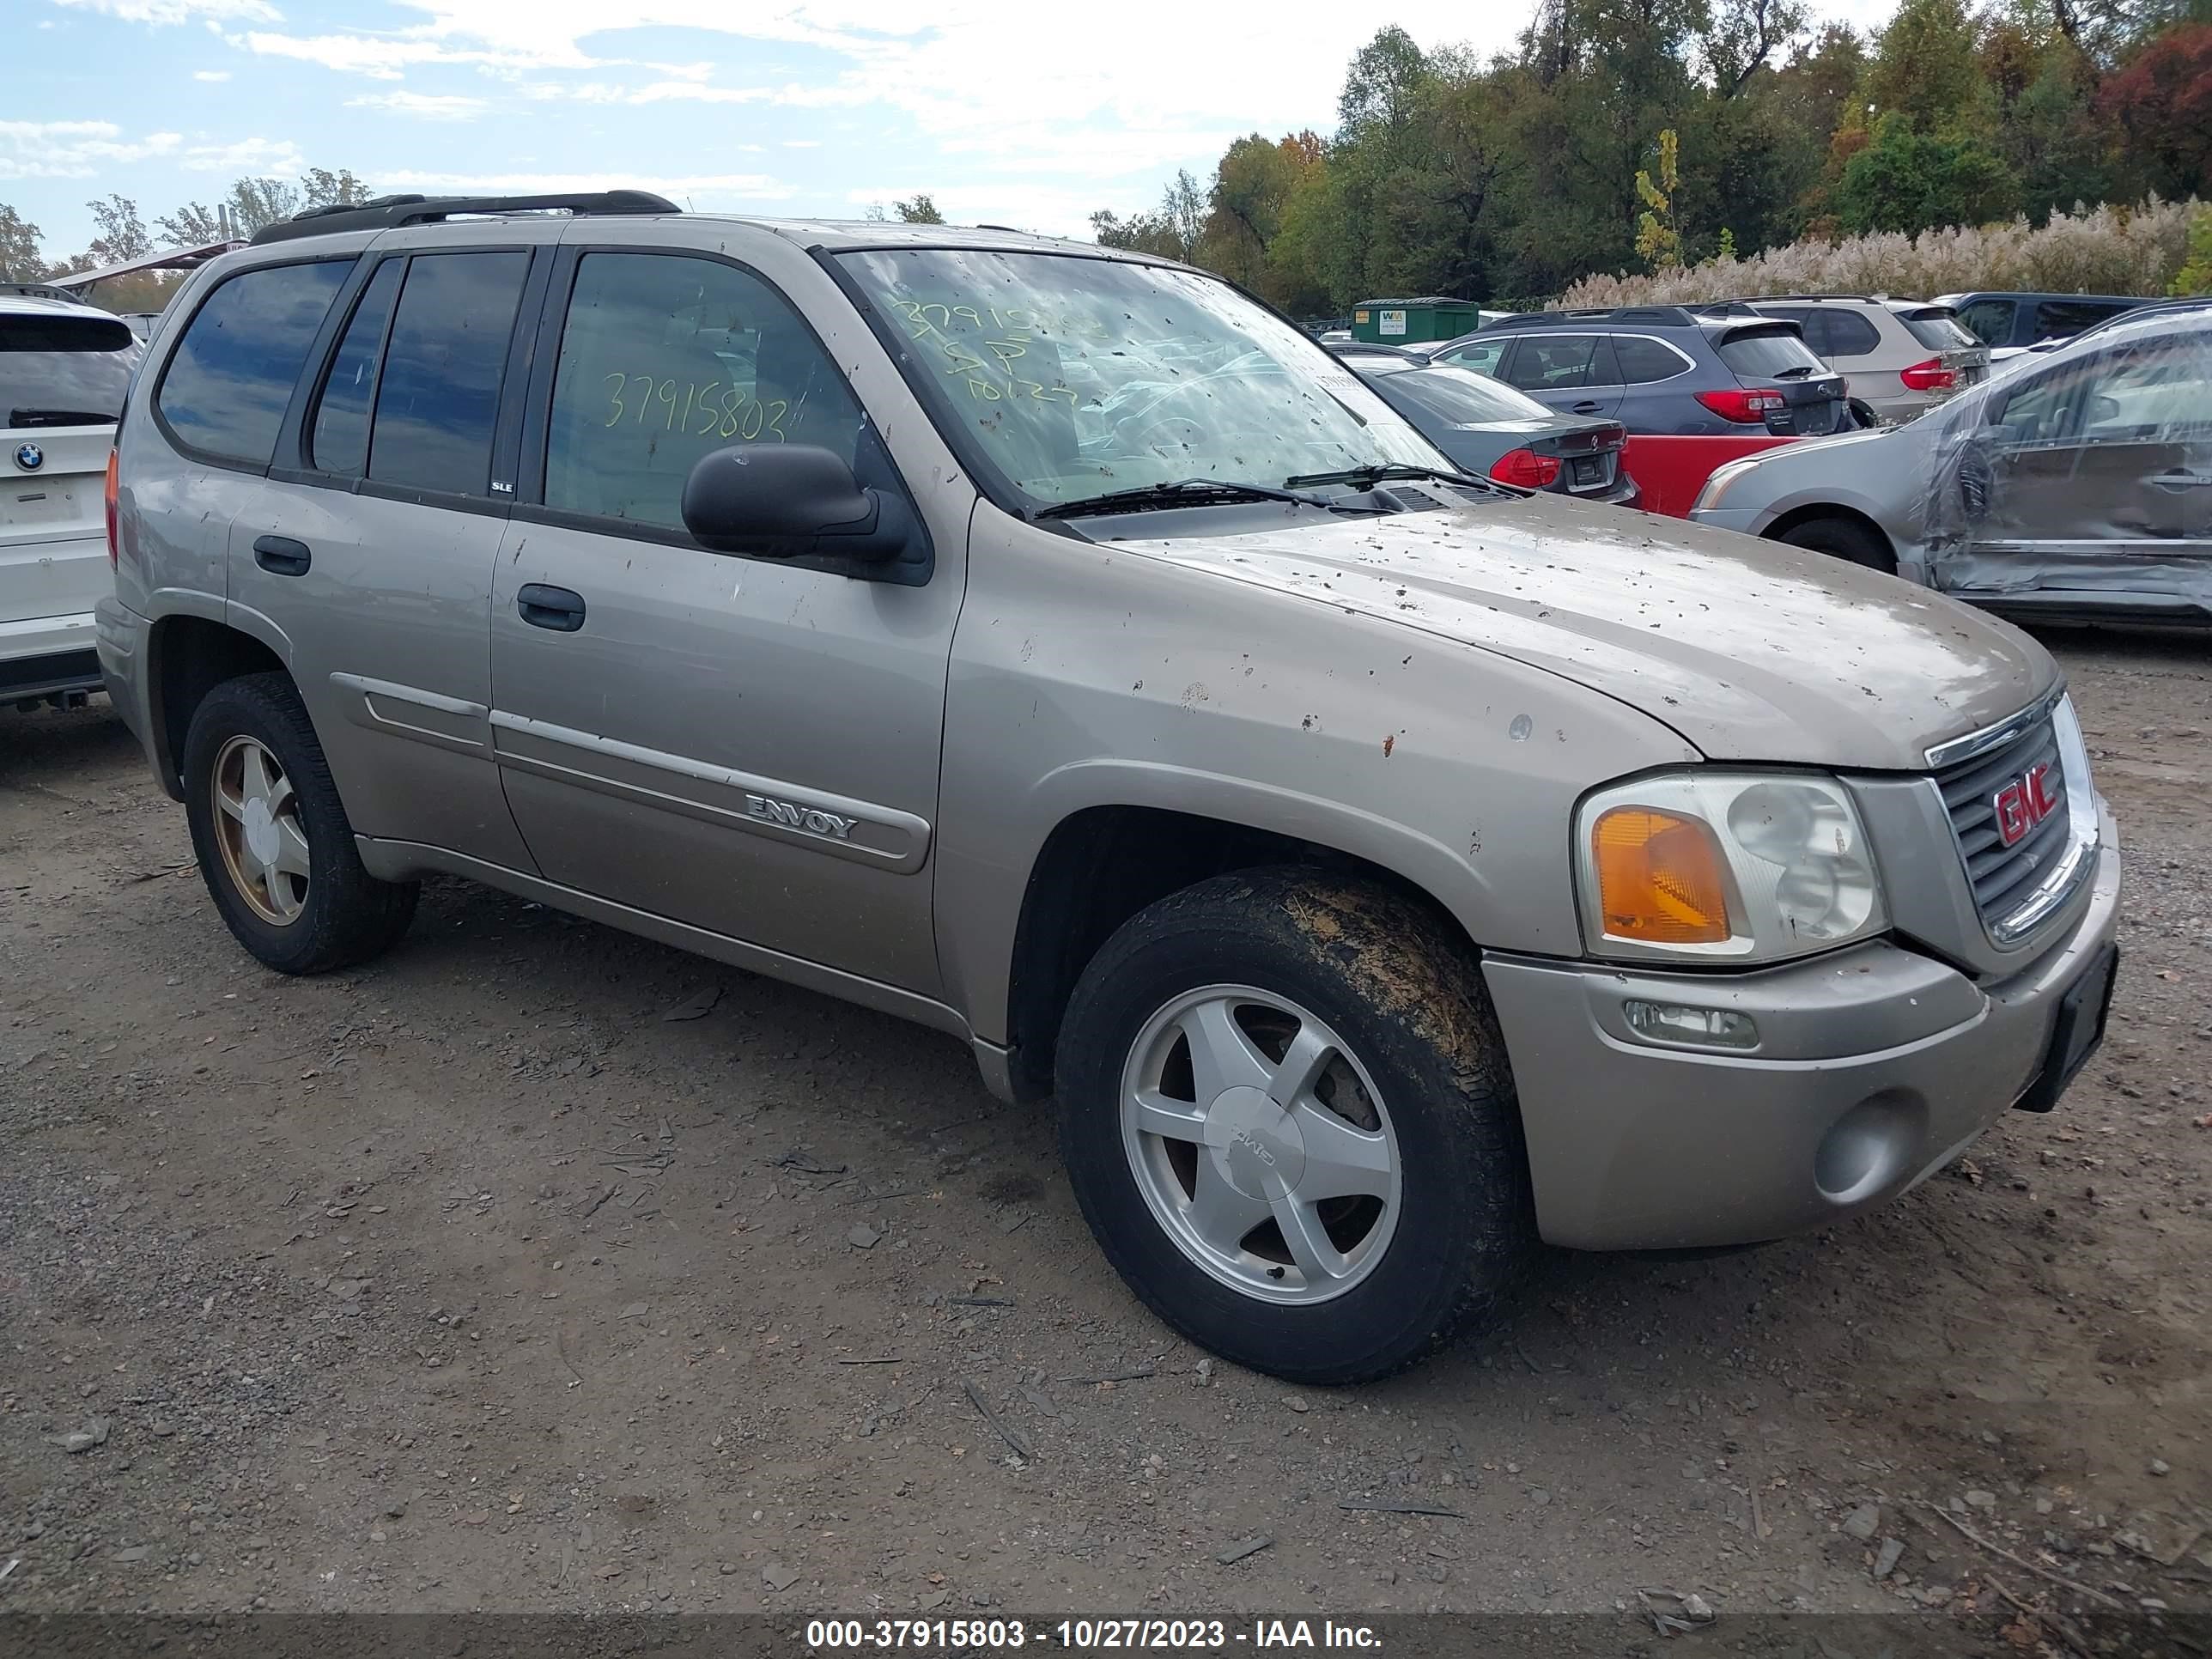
122,645
45,654
1876,1066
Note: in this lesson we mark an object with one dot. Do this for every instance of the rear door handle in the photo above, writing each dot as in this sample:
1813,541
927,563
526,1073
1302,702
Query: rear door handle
2183,480
280,556
1588,407
556,608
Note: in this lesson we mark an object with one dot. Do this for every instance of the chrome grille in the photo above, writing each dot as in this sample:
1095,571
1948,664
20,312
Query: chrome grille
2005,878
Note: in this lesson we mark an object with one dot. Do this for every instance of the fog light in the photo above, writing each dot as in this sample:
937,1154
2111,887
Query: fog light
1672,1022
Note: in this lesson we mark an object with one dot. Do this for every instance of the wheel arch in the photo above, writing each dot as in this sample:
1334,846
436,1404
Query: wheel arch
1101,863
1811,512
188,655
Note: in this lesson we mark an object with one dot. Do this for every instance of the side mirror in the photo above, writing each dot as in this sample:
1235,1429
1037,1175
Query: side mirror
781,501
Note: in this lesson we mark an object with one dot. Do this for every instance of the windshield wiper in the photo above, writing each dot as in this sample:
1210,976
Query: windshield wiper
1184,492
1366,477
60,417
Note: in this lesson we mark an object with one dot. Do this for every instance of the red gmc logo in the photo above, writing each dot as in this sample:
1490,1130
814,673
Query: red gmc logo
2023,804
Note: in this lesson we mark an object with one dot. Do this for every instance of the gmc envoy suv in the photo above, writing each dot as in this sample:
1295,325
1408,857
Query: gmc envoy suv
1384,868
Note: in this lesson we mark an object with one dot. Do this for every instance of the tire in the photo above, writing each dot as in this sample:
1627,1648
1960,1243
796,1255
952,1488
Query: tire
1846,539
299,915
1416,1080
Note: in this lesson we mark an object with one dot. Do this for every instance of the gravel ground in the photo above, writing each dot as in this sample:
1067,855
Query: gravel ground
539,1268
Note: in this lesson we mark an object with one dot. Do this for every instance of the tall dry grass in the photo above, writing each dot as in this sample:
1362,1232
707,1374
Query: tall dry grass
2103,250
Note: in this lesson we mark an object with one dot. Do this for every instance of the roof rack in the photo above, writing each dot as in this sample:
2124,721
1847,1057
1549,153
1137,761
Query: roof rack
1664,316
386,211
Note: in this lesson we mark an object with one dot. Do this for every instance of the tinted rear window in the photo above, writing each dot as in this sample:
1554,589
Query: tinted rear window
1643,361
1465,397
1764,354
438,397
1939,330
341,439
64,370
226,388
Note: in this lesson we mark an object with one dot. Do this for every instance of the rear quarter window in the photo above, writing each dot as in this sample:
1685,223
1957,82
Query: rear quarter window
63,369
1764,354
227,385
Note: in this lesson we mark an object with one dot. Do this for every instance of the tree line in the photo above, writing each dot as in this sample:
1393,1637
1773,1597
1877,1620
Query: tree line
121,233
1620,135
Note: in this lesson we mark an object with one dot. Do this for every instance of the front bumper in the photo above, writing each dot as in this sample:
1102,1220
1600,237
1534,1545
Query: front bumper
1876,1066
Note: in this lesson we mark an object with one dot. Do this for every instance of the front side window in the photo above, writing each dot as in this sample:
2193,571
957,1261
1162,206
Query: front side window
438,398
665,358
1076,377
226,388
63,369
2062,319
1556,362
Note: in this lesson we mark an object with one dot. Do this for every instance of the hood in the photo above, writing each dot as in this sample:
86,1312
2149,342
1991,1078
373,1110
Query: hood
1751,650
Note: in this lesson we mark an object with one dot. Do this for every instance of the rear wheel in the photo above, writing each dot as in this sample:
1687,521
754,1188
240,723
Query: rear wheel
273,843
1843,539
1287,1117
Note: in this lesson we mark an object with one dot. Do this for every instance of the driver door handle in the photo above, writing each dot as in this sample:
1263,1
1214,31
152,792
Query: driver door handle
2183,480
554,608
1588,407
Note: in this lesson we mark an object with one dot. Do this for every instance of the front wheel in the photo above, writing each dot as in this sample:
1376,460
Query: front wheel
273,842
1843,539
1287,1116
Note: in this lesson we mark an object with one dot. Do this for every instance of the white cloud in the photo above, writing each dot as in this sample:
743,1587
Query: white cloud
245,156
706,191
180,11
75,149
210,75
802,143
421,105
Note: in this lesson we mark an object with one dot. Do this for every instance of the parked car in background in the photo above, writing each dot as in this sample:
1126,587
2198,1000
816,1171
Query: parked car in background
1380,868
1662,369
1902,357
1489,428
2010,321
63,369
2076,486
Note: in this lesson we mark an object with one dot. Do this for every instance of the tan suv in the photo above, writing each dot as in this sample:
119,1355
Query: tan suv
1384,867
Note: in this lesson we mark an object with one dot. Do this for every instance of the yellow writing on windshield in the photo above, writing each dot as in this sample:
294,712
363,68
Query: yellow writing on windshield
993,379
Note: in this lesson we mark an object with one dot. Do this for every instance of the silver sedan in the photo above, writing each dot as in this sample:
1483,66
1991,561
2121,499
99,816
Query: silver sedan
2074,487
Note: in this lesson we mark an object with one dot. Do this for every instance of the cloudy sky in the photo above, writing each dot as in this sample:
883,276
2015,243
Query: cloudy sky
1032,115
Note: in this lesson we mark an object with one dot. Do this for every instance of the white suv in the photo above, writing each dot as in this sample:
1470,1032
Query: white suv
64,366
1902,357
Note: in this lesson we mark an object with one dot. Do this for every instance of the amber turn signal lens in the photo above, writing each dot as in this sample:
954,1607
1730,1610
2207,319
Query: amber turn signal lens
1659,878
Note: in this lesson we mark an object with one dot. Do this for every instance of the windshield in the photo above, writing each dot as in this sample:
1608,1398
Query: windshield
1075,377
64,370
1465,397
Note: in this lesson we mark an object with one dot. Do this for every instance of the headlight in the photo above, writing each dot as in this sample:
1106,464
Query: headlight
1721,481
1724,866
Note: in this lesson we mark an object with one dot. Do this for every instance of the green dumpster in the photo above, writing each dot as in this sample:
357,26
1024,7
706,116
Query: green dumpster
1414,322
